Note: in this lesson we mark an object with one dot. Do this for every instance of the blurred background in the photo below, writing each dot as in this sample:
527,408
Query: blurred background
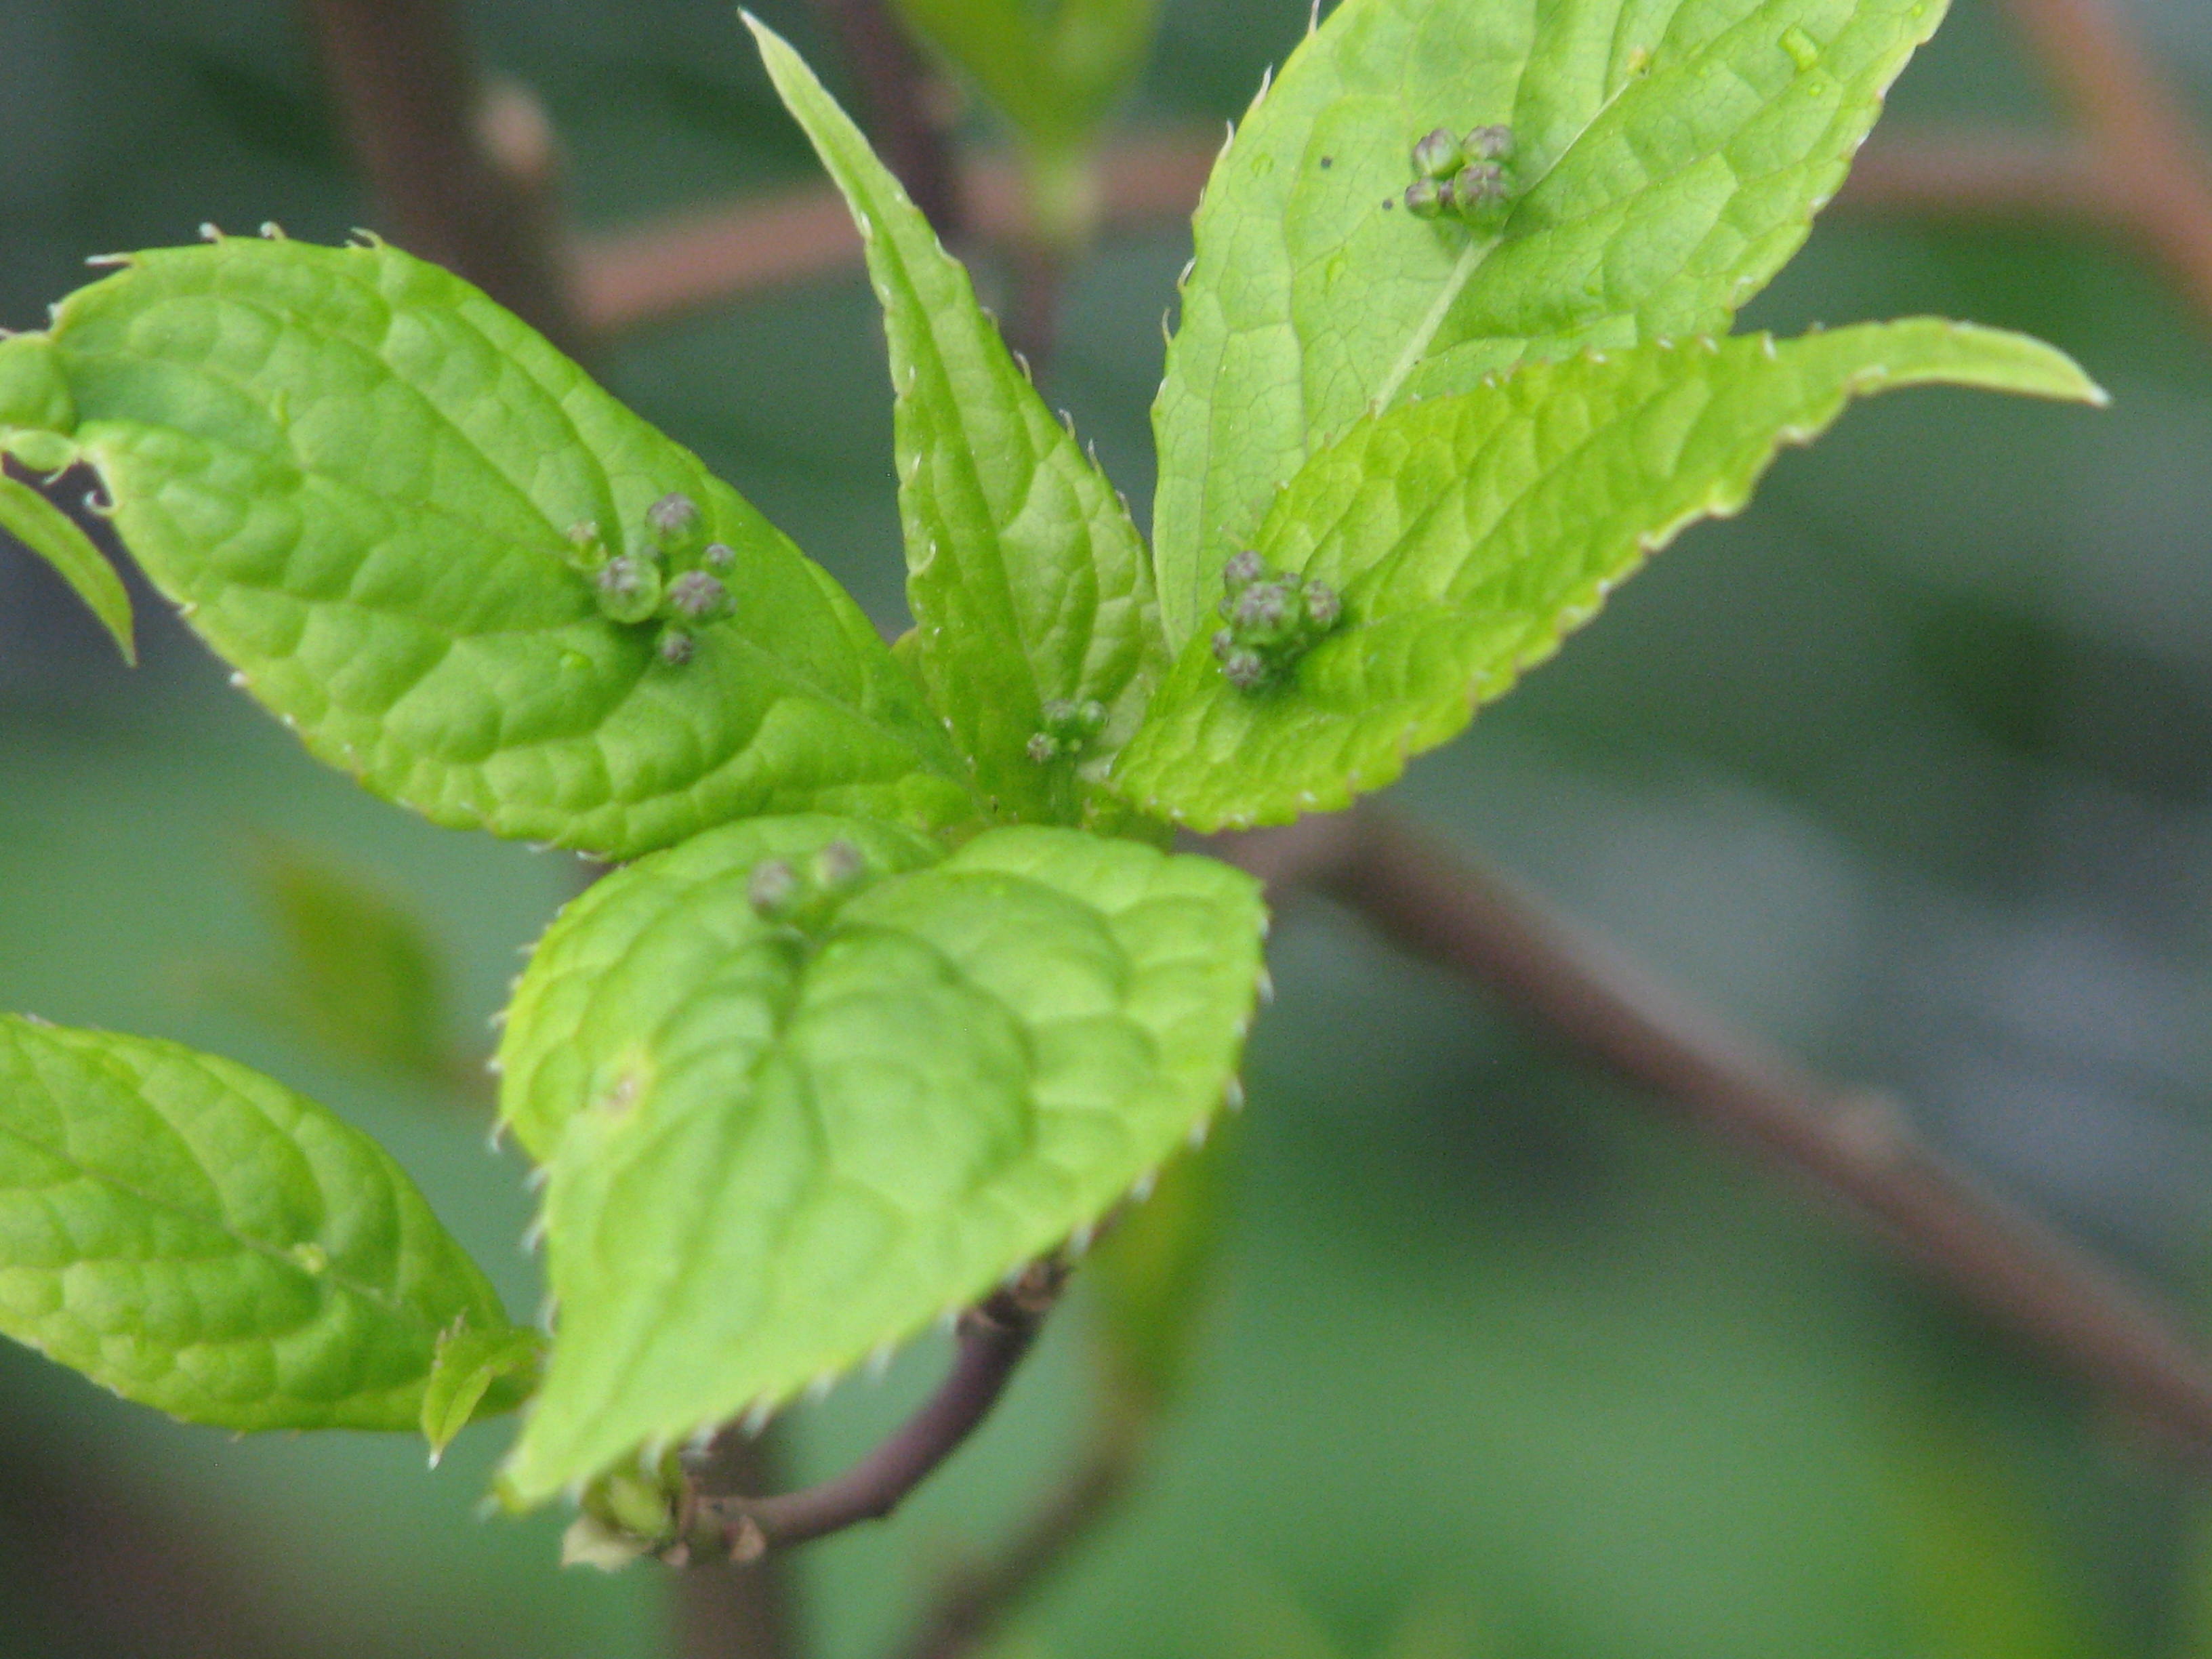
1909,771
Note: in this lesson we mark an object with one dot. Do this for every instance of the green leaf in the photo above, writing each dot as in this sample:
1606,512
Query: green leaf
48,531
359,972
35,410
1152,1276
356,475
477,1374
1669,157
1029,583
1053,68
793,1145
198,1237
34,402
590,1019
1468,534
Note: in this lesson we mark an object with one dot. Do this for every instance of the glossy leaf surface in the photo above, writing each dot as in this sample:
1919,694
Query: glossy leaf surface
1468,534
1029,583
198,1237
773,1166
1668,157
629,954
357,476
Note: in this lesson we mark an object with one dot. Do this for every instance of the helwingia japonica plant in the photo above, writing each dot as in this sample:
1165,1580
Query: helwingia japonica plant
899,987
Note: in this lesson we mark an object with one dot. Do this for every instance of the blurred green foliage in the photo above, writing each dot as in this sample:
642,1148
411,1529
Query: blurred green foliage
356,969
1054,69
1907,769
1154,1278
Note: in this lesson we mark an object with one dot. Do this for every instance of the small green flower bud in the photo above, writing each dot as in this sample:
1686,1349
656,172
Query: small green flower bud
630,1512
719,555
1068,724
1427,199
1242,570
639,1507
1478,185
697,597
1043,748
1323,607
677,647
629,589
773,889
1245,668
1438,156
1264,614
838,864
675,520
1490,144
587,552
1224,641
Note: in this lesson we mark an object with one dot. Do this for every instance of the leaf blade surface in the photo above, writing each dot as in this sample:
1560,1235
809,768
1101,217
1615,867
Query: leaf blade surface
356,475
1029,583
1670,155
1468,534
477,1374
198,1238
972,1061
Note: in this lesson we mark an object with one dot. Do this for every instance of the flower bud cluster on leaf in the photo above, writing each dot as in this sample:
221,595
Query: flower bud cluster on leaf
1273,620
1465,178
674,576
805,894
1068,727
